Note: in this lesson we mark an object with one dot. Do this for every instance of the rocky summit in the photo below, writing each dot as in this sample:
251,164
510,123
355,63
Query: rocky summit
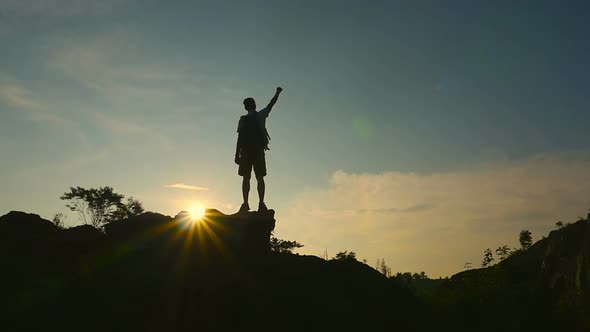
238,235
154,272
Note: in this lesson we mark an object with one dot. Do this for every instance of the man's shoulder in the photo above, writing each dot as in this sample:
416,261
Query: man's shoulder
264,112
241,122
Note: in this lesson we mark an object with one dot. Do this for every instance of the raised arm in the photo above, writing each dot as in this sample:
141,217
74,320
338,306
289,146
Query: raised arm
274,99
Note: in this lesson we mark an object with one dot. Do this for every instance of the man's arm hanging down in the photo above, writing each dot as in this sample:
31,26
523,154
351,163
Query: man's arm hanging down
237,156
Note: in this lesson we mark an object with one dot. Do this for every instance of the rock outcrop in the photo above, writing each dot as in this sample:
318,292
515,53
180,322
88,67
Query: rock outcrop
159,273
29,224
241,235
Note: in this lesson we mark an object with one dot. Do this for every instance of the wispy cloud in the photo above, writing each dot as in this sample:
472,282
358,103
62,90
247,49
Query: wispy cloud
118,125
68,166
129,132
436,222
115,65
186,186
18,96
409,209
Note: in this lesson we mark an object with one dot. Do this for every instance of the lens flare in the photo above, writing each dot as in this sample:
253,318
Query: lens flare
197,212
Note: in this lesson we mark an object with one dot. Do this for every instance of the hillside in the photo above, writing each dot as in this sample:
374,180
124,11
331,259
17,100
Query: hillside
158,273
544,287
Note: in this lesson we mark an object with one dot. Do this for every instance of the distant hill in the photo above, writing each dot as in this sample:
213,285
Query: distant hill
157,273
546,287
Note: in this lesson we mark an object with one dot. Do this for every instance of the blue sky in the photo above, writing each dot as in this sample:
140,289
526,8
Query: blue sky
480,110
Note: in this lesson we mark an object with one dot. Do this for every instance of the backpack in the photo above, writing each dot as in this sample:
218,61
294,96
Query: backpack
250,136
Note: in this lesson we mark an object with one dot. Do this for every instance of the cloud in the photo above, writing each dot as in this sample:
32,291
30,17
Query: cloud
121,68
410,209
118,125
129,133
18,96
436,222
186,186
115,65
118,69
66,167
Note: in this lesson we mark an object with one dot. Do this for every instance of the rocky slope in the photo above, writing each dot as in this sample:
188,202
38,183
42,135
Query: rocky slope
157,273
544,287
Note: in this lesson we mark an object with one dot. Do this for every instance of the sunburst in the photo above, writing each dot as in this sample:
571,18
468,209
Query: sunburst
197,212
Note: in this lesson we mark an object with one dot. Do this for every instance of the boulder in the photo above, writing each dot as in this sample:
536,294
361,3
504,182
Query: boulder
216,233
17,223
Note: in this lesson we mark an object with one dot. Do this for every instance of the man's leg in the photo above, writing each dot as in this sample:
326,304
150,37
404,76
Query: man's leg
245,171
260,171
261,188
245,187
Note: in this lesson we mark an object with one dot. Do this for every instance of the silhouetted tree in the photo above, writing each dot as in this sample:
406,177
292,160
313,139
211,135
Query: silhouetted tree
487,258
404,280
383,268
503,252
95,205
58,220
284,246
345,256
132,208
525,239
559,224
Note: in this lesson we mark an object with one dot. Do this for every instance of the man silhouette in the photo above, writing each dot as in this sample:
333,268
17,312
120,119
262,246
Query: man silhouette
252,142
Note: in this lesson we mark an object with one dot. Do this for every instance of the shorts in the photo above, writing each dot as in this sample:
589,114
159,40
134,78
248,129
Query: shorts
253,160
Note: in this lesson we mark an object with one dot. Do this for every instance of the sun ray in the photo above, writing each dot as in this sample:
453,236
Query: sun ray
197,212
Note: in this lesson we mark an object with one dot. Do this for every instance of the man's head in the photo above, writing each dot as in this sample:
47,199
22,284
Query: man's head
249,104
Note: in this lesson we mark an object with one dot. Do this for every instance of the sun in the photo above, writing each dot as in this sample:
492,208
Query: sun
197,212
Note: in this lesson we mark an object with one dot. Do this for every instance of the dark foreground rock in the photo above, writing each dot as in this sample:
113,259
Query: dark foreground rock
157,273
241,235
